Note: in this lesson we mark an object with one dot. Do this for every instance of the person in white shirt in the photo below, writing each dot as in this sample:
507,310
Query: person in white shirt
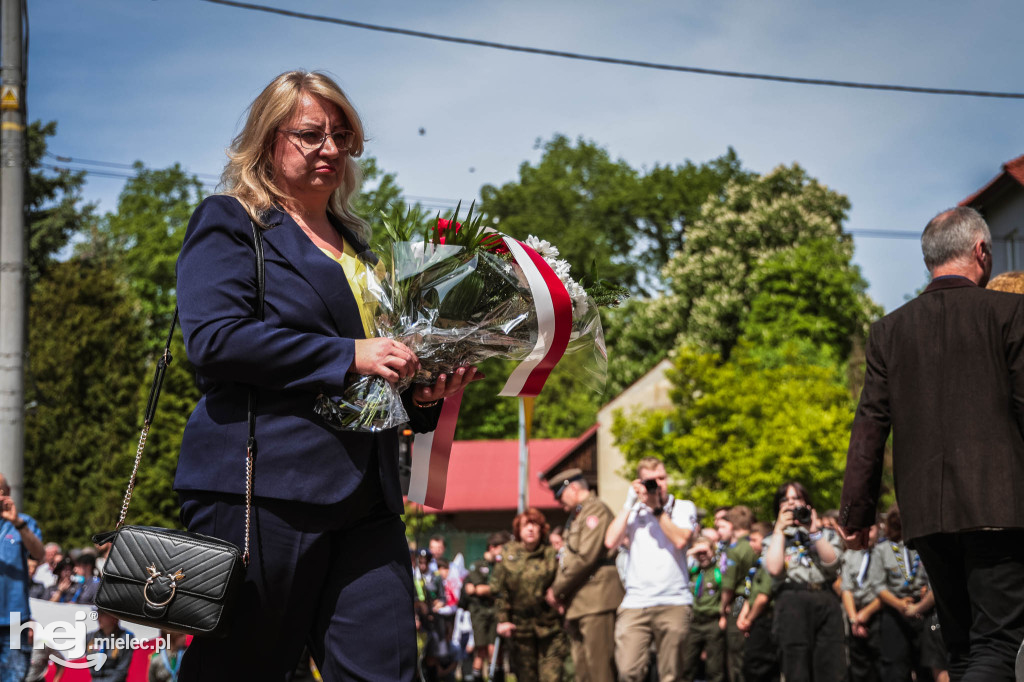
44,575
657,606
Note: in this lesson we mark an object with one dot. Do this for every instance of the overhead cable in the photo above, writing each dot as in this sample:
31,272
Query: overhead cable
619,61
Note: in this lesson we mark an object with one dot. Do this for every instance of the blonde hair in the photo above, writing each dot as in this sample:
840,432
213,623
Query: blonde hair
648,464
249,173
1012,282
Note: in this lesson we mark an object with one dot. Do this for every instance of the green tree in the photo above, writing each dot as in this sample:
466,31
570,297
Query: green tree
380,192
629,223
143,236
598,210
577,198
141,240
84,370
738,429
54,211
715,277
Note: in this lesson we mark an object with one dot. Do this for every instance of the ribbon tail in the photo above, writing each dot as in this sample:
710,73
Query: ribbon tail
431,453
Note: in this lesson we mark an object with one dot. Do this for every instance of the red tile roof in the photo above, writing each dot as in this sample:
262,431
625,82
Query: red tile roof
1011,170
483,475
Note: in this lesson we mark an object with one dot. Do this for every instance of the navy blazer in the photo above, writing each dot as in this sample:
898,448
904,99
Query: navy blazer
304,345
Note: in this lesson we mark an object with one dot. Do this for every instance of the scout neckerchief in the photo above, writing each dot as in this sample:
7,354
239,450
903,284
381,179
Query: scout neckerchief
748,582
903,561
171,667
698,585
863,572
802,555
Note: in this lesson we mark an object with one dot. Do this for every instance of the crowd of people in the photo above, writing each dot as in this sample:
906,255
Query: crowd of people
30,570
694,598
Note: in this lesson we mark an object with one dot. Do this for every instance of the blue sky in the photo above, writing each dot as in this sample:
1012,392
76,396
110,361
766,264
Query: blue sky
165,81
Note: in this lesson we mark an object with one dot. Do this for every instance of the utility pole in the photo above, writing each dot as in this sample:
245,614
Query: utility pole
12,248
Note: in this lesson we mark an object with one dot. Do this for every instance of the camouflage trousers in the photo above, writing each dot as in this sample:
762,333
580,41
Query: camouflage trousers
536,658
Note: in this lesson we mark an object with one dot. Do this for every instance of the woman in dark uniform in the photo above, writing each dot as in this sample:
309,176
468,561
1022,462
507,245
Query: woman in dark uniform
804,557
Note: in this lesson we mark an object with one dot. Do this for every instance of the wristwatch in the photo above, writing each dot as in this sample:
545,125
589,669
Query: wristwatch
658,511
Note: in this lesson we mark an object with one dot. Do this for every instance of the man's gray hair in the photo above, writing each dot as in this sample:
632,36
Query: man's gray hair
951,235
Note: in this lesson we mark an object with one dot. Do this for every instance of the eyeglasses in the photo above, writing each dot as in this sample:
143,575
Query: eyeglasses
311,139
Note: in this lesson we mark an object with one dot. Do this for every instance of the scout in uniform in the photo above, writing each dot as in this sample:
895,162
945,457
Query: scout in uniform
760,657
862,578
740,557
705,634
803,559
587,584
480,603
909,637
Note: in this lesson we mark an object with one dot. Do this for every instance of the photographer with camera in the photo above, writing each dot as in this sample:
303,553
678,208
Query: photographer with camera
21,539
658,602
803,560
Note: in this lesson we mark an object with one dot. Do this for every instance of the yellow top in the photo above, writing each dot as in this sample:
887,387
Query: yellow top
356,273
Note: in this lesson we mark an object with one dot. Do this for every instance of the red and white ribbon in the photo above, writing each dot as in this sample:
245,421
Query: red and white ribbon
554,322
432,451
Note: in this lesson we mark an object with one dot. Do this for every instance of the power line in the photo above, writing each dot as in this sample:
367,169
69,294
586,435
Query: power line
619,61
112,164
439,203
104,173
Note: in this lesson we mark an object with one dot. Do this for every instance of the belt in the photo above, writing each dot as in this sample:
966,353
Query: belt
806,587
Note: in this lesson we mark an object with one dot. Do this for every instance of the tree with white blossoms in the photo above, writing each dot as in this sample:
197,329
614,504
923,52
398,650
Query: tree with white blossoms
770,309
741,254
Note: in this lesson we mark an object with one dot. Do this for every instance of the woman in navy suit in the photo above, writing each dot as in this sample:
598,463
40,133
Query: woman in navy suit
329,564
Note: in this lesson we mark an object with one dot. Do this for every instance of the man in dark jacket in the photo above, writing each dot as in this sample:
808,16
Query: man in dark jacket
945,373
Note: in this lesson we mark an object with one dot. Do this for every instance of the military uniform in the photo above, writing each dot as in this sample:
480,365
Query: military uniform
589,584
740,557
808,621
518,583
705,635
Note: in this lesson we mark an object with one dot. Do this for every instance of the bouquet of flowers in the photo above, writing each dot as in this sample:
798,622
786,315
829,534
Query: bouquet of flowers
456,294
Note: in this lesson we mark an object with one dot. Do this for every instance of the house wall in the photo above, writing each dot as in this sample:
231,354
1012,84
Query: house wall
1005,217
650,392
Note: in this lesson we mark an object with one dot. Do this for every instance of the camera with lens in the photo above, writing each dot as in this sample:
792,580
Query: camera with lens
802,516
651,484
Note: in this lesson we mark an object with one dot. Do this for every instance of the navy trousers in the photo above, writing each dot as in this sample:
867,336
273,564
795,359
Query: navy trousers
336,578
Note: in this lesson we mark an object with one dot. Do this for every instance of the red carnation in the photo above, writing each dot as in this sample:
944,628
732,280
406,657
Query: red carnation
444,225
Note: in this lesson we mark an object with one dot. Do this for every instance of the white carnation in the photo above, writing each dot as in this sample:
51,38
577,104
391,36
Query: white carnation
546,249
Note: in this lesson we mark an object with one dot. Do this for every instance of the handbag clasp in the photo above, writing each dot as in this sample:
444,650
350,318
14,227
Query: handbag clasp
153,575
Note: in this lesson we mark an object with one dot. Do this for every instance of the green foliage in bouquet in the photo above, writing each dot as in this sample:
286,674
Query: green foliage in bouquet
604,293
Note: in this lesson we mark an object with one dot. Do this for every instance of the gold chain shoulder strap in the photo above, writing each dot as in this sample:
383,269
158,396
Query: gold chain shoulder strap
154,395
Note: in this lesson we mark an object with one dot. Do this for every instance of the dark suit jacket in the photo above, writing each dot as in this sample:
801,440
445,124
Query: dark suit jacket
946,373
304,345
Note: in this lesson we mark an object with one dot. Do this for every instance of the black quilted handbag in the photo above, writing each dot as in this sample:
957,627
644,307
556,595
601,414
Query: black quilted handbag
172,579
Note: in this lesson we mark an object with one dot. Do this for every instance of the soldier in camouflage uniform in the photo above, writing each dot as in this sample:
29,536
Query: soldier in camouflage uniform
525,618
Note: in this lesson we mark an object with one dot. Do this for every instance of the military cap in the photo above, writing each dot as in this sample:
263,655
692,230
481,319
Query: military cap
560,481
